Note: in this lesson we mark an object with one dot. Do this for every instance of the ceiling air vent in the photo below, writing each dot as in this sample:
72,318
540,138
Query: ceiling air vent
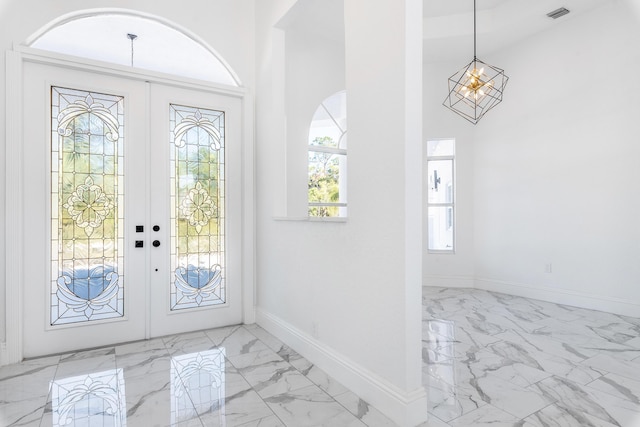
558,13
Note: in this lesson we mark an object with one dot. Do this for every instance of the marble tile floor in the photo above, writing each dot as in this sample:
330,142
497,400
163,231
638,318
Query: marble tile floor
496,360
489,359
234,376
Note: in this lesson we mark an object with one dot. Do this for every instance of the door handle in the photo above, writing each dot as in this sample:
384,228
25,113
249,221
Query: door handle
156,243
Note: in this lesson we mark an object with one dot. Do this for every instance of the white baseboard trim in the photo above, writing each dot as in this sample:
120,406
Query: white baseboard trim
561,296
448,281
3,354
407,409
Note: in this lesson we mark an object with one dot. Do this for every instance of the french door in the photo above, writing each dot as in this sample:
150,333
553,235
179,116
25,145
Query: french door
132,209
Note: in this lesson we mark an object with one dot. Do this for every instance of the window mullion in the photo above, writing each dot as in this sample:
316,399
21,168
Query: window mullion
329,150
440,195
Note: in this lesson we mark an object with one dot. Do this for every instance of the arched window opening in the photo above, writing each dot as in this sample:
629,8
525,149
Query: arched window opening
328,158
157,46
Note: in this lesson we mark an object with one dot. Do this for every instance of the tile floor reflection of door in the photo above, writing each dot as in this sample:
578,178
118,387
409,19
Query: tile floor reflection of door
490,359
232,376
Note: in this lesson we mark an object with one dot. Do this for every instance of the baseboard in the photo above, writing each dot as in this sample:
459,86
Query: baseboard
404,408
448,281
3,354
561,296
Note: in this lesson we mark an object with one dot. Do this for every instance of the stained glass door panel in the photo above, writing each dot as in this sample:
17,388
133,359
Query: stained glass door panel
196,204
84,191
132,209
87,245
197,138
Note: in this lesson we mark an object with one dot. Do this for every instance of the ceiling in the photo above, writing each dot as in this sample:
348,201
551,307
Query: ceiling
435,8
448,24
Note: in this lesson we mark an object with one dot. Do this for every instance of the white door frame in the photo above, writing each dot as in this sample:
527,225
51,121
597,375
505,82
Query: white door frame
11,351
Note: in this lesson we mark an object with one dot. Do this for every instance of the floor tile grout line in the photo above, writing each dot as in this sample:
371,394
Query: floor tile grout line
434,315
318,385
588,385
585,363
171,362
245,379
429,414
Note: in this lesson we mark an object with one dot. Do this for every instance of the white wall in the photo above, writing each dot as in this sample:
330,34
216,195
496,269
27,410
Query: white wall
347,294
314,71
557,180
456,270
227,26
554,172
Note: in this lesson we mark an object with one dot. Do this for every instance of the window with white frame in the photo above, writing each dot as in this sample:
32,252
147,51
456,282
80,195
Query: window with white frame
440,184
328,158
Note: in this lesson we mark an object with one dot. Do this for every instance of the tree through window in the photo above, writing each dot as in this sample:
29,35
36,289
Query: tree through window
328,158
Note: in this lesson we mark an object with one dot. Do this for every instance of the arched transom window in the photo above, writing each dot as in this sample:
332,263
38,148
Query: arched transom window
138,41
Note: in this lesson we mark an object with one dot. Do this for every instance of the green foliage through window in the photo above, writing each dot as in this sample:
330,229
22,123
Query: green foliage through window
324,177
327,159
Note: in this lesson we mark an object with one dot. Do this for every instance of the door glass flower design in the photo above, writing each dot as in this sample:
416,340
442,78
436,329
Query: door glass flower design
87,209
197,206
96,399
198,387
88,206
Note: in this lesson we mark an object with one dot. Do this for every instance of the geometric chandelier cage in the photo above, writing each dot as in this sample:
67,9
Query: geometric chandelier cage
477,87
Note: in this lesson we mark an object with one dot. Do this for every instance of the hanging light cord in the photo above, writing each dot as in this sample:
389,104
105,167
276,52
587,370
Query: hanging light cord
474,31
132,37
473,91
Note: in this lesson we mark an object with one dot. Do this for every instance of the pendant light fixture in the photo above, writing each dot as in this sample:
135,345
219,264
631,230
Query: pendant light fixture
477,87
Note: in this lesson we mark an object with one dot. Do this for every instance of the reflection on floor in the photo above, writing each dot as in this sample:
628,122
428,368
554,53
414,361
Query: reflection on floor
497,360
489,360
235,376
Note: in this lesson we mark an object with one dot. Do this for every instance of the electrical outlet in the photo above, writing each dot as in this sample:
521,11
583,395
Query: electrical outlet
314,330
547,268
